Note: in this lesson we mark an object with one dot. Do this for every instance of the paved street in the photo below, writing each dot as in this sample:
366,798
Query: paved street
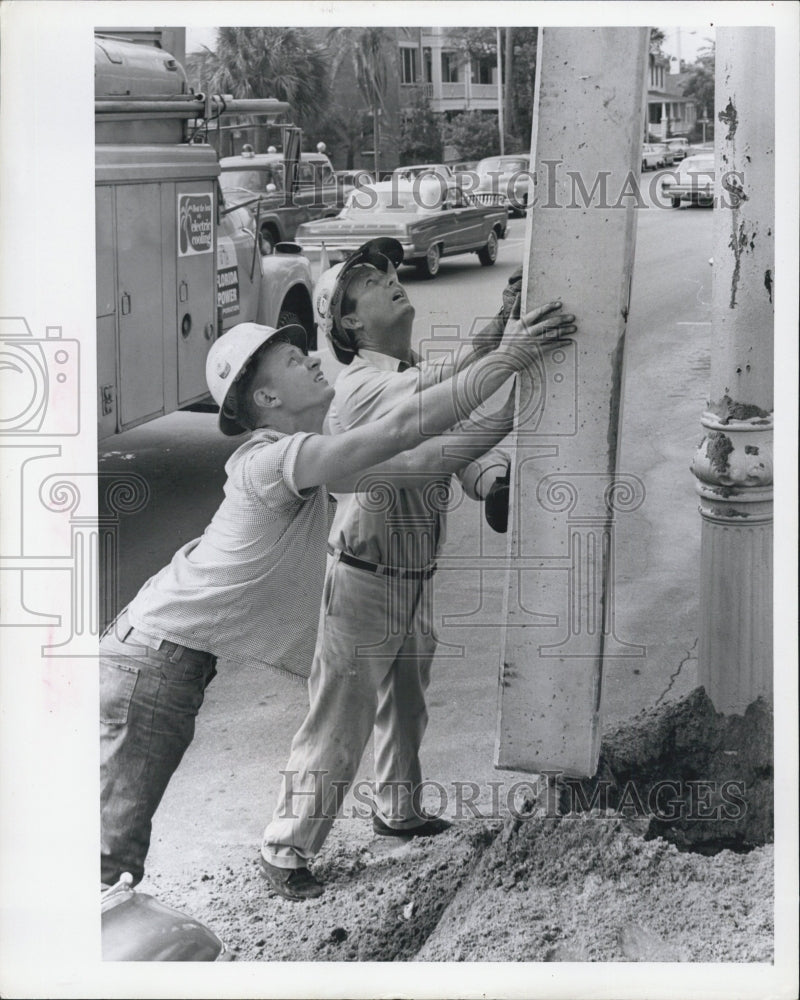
225,787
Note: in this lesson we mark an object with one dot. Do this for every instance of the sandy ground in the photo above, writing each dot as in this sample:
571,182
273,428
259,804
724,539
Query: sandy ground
588,888
552,881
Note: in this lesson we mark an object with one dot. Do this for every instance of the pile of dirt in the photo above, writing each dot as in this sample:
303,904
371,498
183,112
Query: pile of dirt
700,779
548,884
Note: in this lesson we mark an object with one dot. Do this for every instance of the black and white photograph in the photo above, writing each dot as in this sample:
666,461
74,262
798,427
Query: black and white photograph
389,563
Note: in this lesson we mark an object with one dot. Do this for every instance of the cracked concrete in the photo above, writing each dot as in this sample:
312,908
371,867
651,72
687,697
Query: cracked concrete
676,673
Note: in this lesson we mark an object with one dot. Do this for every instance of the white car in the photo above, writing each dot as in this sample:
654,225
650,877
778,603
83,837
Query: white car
679,148
693,182
415,170
509,176
655,155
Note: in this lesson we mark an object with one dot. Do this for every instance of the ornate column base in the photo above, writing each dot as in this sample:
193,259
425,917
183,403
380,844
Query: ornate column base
733,466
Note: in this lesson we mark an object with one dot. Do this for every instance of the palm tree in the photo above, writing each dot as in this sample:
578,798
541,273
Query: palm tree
285,63
365,46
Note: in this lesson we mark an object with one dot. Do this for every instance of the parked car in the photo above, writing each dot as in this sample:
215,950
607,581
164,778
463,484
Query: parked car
316,194
679,148
415,170
509,176
667,159
464,167
348,180
692,182
353,178
429,222
656,155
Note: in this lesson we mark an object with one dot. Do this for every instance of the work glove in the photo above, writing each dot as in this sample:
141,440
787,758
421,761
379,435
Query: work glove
489,337
495,507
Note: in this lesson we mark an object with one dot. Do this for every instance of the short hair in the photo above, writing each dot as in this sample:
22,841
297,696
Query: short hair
239,403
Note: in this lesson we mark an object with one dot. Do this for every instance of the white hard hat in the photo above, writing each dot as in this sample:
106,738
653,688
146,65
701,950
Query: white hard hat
331,286
228,358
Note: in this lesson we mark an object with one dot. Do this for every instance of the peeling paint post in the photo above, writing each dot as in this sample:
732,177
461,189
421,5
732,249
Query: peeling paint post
733,464
558,612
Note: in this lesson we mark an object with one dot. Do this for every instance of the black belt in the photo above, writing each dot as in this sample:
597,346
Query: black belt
370,567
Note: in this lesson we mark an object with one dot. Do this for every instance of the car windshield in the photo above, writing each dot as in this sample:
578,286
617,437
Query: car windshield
426,168
369,199
251,180
503,163
698,163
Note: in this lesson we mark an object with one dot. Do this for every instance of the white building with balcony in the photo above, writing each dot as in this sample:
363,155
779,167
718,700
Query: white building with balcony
453,80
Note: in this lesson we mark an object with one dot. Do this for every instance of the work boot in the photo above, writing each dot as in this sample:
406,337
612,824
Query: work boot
431,827
292,883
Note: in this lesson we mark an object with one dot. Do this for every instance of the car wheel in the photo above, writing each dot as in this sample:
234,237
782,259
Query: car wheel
488,255
705,202
267,241
429,265
289,317
676,202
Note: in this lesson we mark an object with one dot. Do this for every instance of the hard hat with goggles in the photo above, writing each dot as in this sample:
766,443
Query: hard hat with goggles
332,286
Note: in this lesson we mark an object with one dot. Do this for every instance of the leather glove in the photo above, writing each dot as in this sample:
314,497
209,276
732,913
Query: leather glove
490,336
495,508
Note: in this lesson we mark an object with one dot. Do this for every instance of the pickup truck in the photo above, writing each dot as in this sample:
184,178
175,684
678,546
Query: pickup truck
315,195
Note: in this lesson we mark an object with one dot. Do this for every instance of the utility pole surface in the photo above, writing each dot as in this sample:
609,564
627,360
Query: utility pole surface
566,491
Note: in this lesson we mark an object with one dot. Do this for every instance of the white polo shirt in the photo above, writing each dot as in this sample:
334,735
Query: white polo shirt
249,589
389,525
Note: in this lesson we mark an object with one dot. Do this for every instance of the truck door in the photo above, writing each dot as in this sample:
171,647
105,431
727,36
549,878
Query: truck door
140,303
196,285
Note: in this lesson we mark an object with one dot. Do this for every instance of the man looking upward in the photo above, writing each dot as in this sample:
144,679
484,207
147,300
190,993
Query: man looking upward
376,641
249,589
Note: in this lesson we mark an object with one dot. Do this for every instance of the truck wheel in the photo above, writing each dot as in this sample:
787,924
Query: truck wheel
428,267
676,202
488,255
266,242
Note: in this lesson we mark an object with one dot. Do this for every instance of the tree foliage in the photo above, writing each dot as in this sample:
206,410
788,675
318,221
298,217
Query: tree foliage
657,39
523,76
700,83
480,43
366,48
285,63
473,133
420,134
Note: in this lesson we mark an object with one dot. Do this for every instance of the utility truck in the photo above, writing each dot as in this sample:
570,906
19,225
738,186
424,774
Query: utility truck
176,265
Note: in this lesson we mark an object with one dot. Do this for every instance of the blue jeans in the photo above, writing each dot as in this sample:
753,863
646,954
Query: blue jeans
148,702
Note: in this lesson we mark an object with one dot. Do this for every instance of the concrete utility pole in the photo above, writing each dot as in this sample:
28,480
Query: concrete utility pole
733,464
559,620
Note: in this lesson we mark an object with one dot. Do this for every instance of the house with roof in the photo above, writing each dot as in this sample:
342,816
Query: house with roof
669,113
